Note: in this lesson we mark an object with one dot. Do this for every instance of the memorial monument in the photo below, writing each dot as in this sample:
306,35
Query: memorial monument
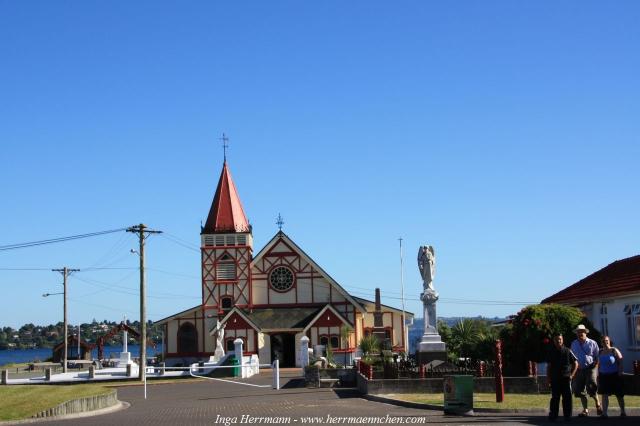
125,355
431,346
379,332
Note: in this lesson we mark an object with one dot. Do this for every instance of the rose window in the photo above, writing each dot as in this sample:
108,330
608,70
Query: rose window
281,278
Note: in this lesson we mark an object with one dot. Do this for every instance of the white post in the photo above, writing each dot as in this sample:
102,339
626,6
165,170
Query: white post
238,353
125,341
304,352
276,374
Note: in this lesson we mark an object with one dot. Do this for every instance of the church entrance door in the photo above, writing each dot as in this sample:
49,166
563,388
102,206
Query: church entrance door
283,347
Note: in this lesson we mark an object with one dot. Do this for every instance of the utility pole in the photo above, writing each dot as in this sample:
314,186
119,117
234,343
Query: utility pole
143,233
65,273
405,335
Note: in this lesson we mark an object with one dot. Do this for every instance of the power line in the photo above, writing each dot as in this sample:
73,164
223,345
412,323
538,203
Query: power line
132,291
181,242
110,308
57,240
113,251
83,270
176,274
25,269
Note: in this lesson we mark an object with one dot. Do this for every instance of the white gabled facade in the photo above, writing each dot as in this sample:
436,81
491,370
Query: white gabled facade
269,301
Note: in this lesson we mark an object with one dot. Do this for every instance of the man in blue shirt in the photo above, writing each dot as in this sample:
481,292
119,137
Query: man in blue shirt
584,382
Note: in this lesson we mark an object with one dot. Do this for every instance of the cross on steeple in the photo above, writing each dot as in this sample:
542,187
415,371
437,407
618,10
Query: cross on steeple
279,221
225,145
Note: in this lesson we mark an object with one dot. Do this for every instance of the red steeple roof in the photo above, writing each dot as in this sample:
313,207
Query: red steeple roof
226,214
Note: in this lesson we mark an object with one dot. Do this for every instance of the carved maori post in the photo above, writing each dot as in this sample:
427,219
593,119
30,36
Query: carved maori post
480,369
499,378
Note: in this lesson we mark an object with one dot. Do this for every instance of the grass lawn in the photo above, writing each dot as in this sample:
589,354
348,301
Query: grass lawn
16,365
511,401
22,401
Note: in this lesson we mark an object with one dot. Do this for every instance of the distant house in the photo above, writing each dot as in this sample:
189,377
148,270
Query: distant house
610,298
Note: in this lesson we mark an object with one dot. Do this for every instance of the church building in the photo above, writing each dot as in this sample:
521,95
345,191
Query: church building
270,299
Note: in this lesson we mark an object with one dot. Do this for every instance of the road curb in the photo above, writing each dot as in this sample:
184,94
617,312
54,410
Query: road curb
419,405
77,408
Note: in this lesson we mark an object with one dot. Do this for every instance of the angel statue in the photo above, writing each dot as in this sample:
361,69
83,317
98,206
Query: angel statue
219,339
427,265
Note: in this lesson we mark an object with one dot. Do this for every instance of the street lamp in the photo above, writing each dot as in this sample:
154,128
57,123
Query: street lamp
64,367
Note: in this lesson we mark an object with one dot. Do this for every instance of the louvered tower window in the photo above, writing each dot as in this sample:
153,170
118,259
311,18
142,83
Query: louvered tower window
226,268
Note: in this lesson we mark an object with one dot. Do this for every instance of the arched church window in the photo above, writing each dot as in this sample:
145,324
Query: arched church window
324,340
230,347
281,278
187,338
335,342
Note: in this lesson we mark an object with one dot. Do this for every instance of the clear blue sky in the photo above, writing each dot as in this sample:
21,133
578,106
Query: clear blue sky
506,134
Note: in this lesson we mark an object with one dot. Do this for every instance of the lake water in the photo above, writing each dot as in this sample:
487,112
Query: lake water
41,354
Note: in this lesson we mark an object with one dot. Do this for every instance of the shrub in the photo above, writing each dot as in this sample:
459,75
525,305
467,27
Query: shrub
369,345
529,334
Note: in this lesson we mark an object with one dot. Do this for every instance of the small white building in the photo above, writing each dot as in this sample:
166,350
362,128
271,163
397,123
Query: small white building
610,298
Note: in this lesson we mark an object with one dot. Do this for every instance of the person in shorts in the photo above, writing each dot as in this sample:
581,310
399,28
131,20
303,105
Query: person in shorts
585,381
610,376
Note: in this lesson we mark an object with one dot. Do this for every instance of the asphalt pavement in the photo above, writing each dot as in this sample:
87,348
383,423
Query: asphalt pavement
215,402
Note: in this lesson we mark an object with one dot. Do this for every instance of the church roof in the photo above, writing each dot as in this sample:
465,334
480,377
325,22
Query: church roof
619,278
283,318
274,319
371,305
226,213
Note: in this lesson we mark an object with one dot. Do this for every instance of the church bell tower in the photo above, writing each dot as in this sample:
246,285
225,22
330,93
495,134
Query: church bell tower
227,250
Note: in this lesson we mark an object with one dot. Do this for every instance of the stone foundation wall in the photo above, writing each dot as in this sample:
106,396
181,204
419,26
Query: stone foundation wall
524,385
480,384
81,405
314,376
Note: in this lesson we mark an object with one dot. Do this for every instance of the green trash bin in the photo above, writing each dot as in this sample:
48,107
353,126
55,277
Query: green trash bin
458,395
235,370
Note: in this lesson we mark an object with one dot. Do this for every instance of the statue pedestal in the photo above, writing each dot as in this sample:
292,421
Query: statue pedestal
125,359
217,355
431,348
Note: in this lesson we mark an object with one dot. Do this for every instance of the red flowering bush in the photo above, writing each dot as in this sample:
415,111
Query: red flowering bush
529,334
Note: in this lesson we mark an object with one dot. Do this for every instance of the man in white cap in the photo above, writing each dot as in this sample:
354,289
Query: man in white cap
584,382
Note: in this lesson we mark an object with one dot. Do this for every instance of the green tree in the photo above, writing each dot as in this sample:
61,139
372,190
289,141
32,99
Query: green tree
529,334
445,331
464,336
369,345
469,338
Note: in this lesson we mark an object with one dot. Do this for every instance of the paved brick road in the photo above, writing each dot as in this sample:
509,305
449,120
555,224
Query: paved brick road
201,403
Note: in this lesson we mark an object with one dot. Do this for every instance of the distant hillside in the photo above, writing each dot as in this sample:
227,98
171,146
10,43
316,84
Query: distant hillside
417,329
46,336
